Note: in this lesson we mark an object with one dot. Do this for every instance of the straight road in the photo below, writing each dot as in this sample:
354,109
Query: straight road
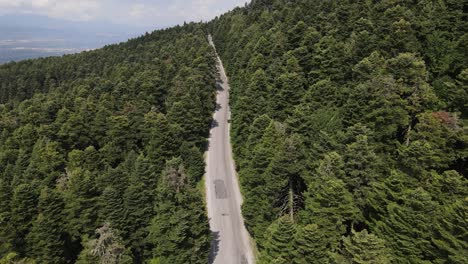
231,242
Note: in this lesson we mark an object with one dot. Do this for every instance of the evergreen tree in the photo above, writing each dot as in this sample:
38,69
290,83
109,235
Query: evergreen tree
360,166
278,246
46,239
408,227
450,237
5,214
310,245
256,131
330,205
193,157
23,209
179,232
283,178
363,248
138,203
81,204
46,162
288,90
112,209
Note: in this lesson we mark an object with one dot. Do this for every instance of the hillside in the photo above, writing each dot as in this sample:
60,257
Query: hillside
349,128
101,152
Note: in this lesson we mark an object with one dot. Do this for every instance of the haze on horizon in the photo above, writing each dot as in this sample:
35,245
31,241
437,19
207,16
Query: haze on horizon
39,28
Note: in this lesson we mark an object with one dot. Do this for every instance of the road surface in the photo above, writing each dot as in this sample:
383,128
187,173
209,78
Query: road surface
231,242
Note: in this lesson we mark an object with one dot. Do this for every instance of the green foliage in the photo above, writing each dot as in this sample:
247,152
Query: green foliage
13,258
46,239
405,222
310,245
363,248
376,93
331,206
84,140
23,210
278,247
451,233
179,232
346,115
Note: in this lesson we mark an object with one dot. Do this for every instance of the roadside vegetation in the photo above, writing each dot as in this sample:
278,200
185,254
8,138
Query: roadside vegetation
349,128
101,153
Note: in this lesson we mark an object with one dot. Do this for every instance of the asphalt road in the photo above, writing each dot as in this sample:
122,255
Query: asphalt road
231,243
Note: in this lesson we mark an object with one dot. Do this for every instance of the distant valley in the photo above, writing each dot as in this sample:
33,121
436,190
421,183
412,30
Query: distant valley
54,37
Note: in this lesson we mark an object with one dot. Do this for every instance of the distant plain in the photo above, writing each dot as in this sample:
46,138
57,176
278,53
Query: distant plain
54,37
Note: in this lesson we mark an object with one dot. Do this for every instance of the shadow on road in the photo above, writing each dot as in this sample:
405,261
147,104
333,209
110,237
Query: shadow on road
214,247
218,107
214,123
219,87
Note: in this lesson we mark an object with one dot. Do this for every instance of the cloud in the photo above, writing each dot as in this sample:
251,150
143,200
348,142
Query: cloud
78,10
67,9
136,12
40,3
10,3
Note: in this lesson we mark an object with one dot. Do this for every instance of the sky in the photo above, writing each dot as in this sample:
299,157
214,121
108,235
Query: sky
146,13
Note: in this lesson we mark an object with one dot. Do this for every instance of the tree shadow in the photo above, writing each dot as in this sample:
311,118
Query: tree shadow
214,123
219,87
218,107
214,246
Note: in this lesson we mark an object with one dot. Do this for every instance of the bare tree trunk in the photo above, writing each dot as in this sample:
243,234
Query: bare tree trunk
291,201
408,135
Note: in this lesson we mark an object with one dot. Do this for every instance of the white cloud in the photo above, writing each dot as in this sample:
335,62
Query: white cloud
75,10
67,9
10,3
40,3
138,12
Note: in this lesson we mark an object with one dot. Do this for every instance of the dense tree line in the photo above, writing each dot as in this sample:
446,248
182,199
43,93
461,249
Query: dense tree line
101,152
349,128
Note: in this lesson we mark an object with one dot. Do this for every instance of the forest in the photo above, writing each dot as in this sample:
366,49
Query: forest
349,128
349,132
101,153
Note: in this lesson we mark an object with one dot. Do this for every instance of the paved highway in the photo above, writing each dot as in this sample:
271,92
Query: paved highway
231,243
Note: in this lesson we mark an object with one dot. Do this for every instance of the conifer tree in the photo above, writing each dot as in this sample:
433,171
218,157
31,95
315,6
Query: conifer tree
194,161
81,203
330,205
24,209
46,162
408,227
138,201
258,212
256,131
451,235
5,214
283,178
179,232
363,248
310,245
288,90
112,209
278,247
360,166
162,142
46,239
